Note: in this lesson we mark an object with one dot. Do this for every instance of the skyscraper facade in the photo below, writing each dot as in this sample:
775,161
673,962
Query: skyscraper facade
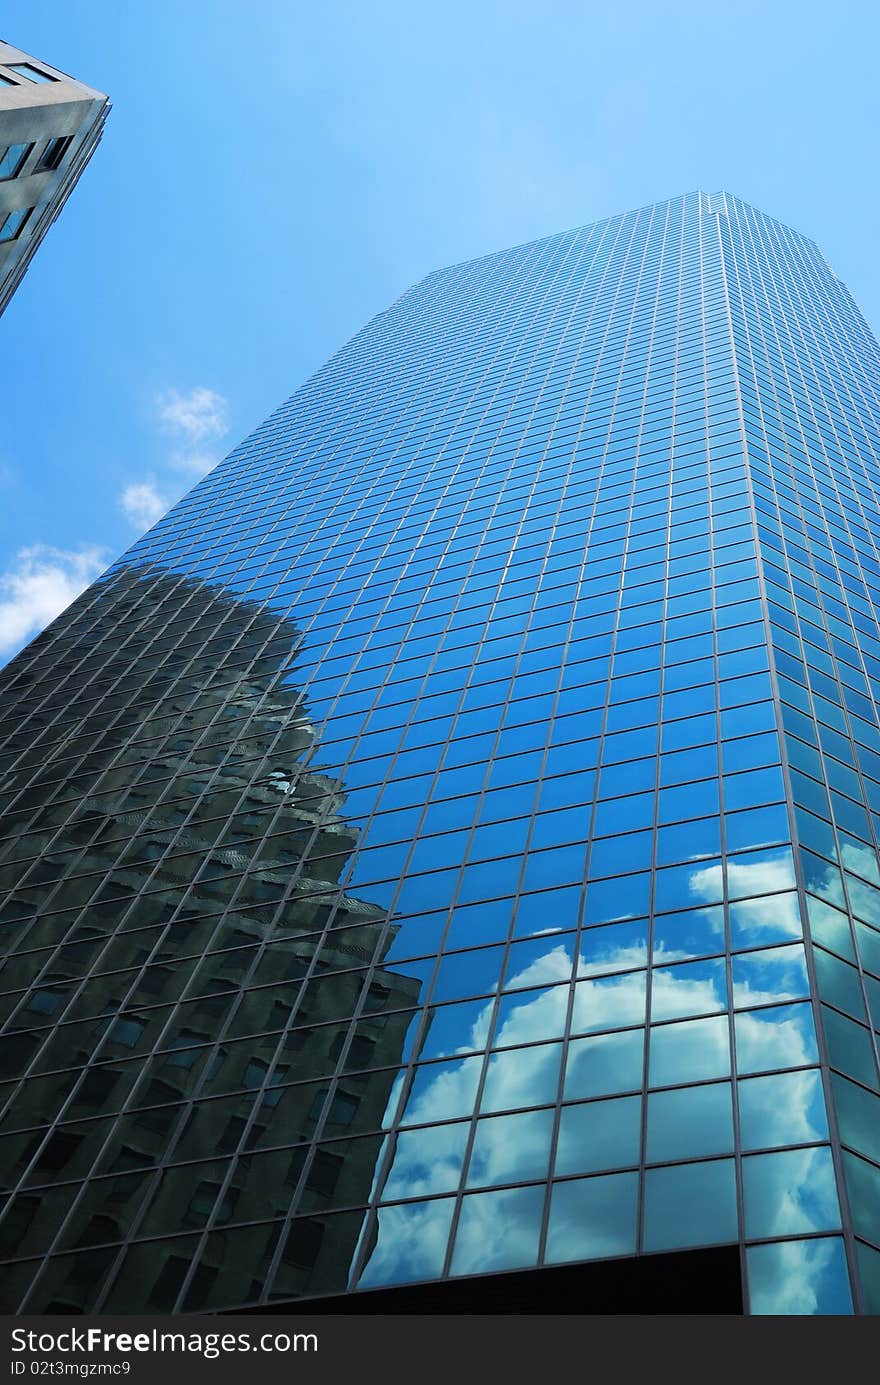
50,125
442,852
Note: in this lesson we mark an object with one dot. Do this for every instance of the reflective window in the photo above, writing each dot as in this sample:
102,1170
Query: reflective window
693,933
692,988
690,1205
511,1149
863,1188
599,1135
522,1077
779,973
782,1036
593,1218
609,1002
790,1193
605,1063
692,1052
765,920
426,1161
801,1278
785,1109
690,1122
411,1243
615,947
498,1231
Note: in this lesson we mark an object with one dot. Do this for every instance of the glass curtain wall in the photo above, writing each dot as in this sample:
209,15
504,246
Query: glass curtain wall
445,844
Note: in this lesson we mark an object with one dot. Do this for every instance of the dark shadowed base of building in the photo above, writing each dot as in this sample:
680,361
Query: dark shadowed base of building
695,1281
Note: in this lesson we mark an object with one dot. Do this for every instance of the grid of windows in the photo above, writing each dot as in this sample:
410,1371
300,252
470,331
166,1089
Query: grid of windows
809,384
445,843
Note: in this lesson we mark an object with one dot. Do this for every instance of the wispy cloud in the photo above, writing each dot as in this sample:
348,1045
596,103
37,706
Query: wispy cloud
38,586
193,419
198,415
194,464
143,504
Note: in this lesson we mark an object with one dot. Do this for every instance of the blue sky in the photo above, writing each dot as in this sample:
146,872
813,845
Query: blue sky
275,172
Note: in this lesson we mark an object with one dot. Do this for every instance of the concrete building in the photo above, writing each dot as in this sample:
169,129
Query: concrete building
50,125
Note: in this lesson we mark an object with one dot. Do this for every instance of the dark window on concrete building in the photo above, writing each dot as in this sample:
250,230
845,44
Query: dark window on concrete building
53,153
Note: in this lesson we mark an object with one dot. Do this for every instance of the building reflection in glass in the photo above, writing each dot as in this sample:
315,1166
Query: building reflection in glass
523,911
182,980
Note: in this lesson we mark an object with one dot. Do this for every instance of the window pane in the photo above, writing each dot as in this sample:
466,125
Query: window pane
690,1122
411,1243
427,1161
692,1052
511,1149
799,1278
690,1205
778,973
786,1109
599,1135
605,1063
498,1231
781,1037
789,1193
694,988
593,1218
522,1077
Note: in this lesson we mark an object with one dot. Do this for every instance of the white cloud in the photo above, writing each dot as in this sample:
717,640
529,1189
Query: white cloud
38,586
193,419
143,504
194,464
195,416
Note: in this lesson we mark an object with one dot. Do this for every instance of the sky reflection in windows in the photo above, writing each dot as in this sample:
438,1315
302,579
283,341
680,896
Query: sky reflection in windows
485,794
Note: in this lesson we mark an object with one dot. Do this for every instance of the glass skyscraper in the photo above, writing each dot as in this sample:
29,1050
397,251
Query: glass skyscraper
439,859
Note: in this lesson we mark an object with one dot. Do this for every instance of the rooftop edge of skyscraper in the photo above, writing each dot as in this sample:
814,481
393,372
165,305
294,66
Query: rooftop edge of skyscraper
700,195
